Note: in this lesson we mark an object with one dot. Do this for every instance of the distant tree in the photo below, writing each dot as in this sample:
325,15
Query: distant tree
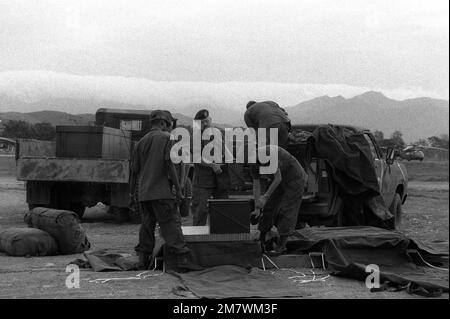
17,129
421,142
379,135
22,129
445,141
439,141
397,139
44,131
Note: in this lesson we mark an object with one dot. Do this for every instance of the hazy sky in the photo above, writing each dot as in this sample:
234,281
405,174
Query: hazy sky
390,44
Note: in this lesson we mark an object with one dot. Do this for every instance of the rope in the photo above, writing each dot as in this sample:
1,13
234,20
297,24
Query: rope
142,275
428,264
270,260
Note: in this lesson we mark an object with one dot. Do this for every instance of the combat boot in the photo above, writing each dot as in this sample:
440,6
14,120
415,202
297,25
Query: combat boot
281,247
143,262
185,264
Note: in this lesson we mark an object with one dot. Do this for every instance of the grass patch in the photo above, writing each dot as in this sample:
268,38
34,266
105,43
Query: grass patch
427,171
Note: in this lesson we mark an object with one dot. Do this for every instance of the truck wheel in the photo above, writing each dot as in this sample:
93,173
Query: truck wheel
396,210
120,214
77,208
135,216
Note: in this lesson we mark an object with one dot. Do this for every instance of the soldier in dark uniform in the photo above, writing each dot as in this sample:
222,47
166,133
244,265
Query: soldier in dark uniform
152,166
268,115
210,179
281,202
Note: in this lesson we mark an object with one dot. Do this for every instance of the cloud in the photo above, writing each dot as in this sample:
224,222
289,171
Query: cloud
229,97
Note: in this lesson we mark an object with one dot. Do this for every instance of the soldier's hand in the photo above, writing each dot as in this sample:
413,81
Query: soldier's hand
132,201
180,196
261,202
216,168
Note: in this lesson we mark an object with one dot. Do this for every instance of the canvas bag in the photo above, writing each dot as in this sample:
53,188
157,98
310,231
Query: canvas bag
63,225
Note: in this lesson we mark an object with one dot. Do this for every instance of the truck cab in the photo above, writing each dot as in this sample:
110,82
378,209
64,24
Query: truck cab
135,121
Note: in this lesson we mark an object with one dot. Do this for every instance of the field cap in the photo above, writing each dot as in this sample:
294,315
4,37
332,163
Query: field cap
201,115
162,115
250,103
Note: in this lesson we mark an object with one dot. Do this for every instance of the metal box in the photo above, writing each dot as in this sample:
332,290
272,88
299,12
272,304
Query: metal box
92,142
230,216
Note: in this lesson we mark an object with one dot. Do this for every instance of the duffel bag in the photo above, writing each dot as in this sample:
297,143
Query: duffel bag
63,225
22,242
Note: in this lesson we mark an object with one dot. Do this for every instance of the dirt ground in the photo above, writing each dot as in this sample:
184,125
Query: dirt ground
426,218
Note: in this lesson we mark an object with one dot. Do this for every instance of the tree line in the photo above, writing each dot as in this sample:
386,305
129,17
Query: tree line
46,131
433,147
21,129
396,140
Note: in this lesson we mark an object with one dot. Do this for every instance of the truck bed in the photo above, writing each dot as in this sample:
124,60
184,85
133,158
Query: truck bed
72,170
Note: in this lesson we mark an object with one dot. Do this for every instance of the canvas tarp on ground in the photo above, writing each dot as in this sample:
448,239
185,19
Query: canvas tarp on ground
236,282
348,250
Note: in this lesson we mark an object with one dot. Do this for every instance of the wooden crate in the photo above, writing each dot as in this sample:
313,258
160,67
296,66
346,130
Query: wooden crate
92,142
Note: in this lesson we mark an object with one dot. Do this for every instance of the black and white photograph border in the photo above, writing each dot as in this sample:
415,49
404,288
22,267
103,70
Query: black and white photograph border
196,151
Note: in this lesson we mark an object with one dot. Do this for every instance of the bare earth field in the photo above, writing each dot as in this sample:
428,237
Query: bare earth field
426,217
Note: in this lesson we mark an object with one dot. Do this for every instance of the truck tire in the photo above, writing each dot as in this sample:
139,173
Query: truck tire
135,216
120,214
77,208
396,210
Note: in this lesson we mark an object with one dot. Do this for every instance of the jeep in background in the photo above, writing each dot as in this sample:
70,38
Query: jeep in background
412,153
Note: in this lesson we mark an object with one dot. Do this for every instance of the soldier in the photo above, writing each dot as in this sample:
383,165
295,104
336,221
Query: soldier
151,164
282,200
210,179
268,115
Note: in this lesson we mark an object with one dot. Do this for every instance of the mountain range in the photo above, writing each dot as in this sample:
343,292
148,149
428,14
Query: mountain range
415,118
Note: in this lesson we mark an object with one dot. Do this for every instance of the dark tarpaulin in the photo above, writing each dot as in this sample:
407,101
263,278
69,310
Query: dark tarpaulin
107,260
236,282
348,250
350,164
245,254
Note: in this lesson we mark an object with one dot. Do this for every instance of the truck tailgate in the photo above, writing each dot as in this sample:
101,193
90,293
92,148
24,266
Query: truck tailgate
73,170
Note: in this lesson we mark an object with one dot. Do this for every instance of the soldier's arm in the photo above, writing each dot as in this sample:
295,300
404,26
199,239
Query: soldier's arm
275,183
134,171
248,121
172,172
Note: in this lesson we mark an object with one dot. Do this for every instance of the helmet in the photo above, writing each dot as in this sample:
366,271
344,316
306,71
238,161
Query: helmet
163,115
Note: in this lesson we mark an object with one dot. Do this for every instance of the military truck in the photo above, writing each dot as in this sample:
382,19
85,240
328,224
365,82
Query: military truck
85,165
